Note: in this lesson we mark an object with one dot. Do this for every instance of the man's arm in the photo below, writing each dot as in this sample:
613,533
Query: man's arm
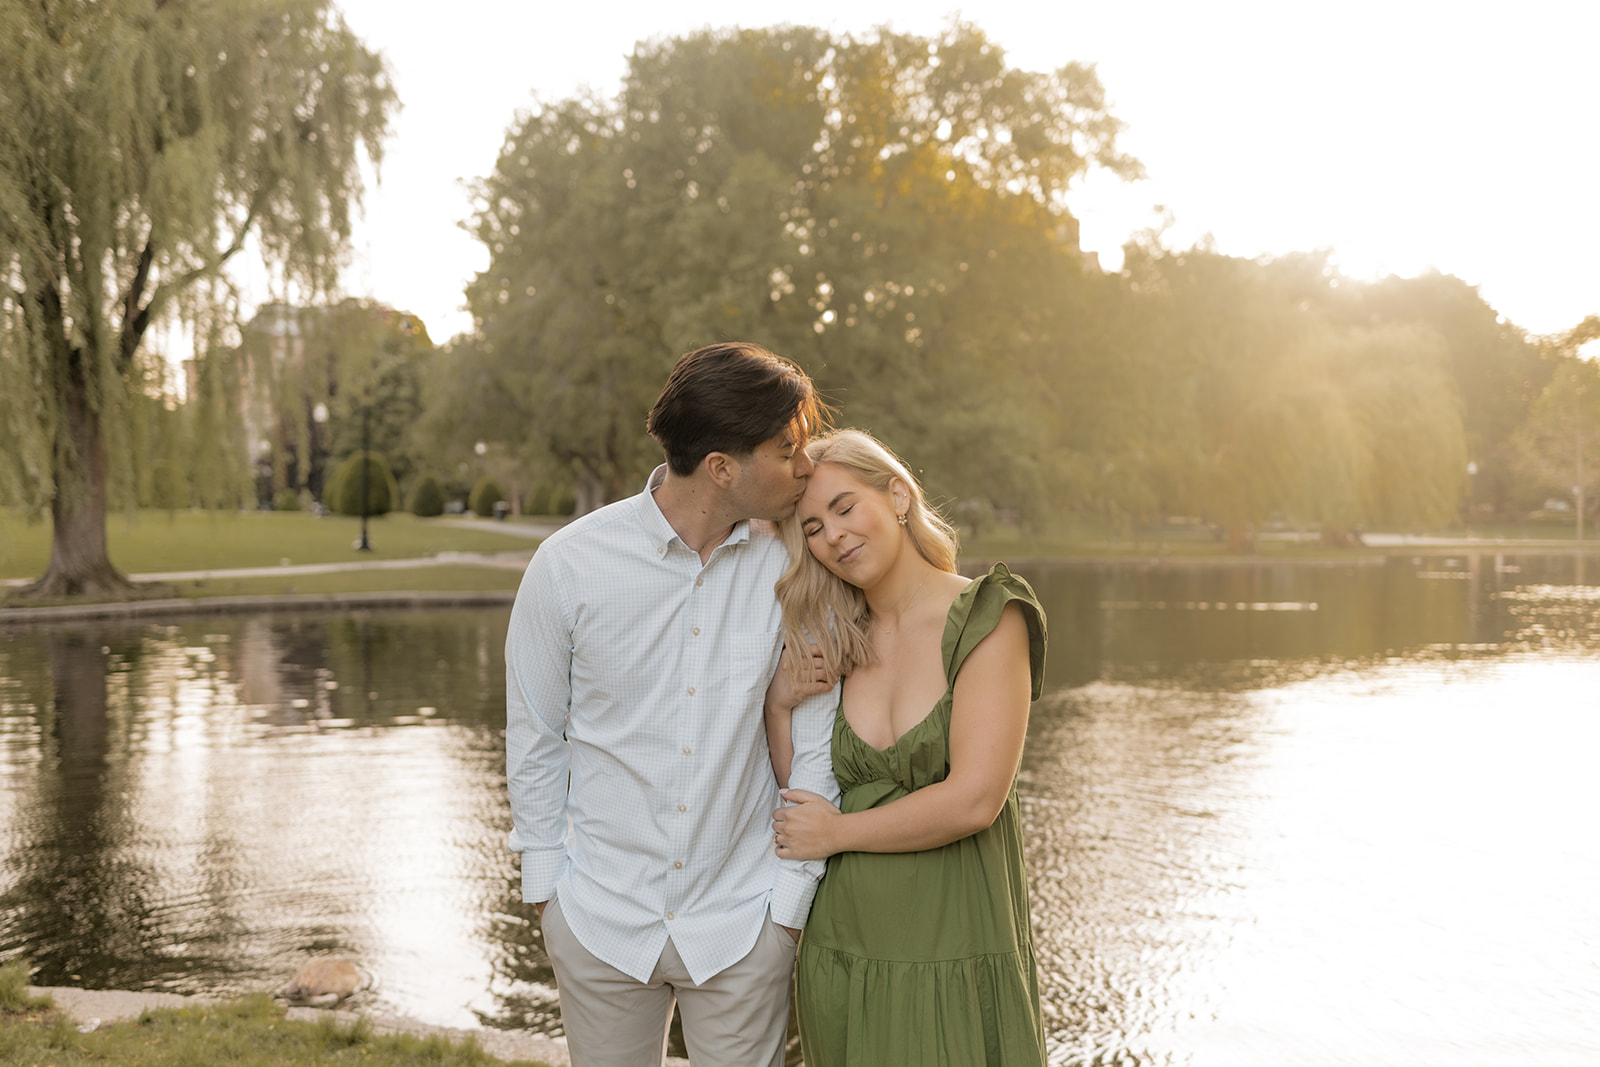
538,699
812,732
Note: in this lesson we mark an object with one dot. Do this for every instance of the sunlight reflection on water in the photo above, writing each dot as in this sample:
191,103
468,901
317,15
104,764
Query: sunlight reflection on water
1354,834
1380,865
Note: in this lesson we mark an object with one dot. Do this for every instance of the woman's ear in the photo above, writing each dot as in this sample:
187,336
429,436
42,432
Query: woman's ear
900,495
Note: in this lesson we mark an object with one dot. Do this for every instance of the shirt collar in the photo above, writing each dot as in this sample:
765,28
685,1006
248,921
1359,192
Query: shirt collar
660,531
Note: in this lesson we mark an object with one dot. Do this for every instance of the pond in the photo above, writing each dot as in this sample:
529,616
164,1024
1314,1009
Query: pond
1278,813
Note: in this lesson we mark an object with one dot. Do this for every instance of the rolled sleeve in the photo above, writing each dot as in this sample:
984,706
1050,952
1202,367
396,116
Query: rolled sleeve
538,699
811,729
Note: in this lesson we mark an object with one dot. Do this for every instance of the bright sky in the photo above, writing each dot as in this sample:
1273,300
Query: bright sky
1402,134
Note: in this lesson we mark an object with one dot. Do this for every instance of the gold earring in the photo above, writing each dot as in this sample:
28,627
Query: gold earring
901,518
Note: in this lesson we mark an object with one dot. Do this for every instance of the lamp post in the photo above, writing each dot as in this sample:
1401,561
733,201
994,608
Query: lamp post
1472,492
317,473
364,545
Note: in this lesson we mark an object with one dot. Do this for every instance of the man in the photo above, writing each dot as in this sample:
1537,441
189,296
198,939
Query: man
641,644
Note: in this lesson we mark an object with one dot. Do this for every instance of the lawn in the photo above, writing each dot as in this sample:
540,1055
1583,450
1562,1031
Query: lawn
164,542
250,1032
443,578
160,541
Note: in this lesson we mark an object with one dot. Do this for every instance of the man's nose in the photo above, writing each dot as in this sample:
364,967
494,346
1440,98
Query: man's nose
803,465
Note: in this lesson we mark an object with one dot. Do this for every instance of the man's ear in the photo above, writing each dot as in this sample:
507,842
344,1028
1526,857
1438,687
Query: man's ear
722,468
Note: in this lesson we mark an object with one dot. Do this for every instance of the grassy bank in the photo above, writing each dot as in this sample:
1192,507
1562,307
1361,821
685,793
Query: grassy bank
165,542
250,1032
1198,542
442,578
160,541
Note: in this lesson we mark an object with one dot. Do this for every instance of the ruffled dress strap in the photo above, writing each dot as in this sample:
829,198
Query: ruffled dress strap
976,612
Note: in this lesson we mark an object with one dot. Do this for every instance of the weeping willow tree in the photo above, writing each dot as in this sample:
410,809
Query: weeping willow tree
144,144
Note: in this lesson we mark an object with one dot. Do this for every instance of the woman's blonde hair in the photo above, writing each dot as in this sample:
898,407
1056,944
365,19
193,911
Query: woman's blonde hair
822,609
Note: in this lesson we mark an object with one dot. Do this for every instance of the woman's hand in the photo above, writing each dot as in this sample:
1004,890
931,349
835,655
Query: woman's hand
803,830
797,678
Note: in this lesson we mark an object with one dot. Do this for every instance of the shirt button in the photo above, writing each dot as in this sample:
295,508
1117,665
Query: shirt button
699,582
696,631
686,750
669,914
677,865
691,690
661,551
683,807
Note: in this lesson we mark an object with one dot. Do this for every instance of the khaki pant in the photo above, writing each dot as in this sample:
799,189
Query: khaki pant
737,1018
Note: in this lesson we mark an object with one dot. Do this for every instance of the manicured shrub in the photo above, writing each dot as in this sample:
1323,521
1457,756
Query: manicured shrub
485,495
427,499
286,500
344,488
551,500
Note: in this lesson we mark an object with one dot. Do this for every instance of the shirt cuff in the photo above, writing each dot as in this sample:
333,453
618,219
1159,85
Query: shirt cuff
791,895
540,873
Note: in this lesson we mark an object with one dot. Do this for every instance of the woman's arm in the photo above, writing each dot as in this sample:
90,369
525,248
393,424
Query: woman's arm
786,690
988,725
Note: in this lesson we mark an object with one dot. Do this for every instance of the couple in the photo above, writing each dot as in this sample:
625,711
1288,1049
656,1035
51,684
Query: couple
643,669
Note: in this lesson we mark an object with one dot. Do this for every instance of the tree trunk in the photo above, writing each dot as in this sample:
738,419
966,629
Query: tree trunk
590,492
79,563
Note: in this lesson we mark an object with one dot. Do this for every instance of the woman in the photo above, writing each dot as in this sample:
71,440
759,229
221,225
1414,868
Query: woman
919,948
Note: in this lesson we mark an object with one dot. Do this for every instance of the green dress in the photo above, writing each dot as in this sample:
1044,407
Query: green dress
925,958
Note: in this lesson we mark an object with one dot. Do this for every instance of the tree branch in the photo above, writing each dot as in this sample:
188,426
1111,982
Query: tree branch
165,290
135,320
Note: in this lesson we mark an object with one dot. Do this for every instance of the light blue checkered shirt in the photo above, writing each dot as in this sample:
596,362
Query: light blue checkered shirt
640,673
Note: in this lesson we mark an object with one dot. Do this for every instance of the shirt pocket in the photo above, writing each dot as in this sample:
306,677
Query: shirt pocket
752,658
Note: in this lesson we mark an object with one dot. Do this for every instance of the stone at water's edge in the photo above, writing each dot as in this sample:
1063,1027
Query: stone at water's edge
323,983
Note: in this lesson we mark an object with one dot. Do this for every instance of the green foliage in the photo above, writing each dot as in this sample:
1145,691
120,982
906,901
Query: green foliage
485,495
142,146
1493,369
344,492
168,487
286,500
1269,394
427,498
249,1032
546,499
885,209
1558,448
15,978
325,377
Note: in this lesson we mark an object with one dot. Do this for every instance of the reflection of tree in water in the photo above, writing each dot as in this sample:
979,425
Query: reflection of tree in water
524,982
79,908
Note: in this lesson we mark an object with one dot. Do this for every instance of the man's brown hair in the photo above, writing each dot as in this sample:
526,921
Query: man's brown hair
729,398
